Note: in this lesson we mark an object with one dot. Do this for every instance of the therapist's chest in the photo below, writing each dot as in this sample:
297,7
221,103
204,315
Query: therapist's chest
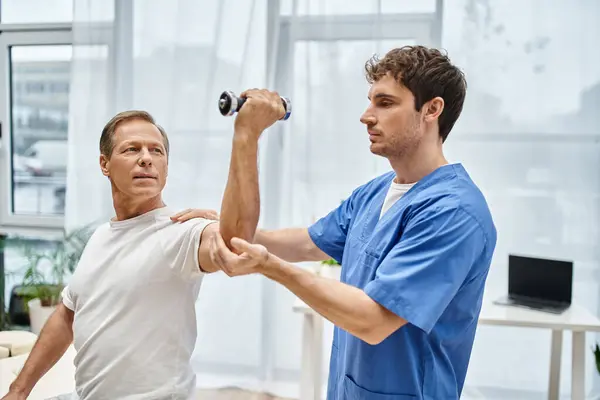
369,240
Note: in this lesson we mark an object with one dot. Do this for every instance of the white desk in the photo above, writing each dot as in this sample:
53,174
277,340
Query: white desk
576,319
311,370
59,380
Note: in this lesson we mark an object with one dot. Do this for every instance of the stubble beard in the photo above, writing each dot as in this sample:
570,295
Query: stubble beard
403,144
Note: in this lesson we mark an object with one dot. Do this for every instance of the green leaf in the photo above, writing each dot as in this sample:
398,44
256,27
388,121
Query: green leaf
597,356
47,267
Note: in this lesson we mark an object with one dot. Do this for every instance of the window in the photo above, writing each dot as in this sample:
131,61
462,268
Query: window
34,126
36,54
39,119
344,7
320,64
321,153
35,11
54,11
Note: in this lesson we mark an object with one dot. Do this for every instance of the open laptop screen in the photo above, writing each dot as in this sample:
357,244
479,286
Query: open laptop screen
550,280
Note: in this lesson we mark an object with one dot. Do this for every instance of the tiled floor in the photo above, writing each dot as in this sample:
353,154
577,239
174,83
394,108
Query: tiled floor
468,394
223,394
234,394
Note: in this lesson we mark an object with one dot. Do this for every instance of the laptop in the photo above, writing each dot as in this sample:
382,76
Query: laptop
539,284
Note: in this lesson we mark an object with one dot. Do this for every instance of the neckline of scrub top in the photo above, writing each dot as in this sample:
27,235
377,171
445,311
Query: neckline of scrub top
438,174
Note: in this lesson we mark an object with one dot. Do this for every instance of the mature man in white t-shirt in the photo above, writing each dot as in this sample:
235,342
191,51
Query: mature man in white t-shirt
129,308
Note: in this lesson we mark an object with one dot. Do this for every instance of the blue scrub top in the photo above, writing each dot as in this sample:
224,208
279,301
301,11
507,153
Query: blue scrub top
426,260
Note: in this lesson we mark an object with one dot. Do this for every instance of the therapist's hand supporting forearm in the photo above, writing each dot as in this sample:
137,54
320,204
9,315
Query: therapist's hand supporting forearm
345,306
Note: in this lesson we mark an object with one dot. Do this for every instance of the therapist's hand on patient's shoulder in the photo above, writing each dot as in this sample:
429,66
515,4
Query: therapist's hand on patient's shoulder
261,110
192,213
253,258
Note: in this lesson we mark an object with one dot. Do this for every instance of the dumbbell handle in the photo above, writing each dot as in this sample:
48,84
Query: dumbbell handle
229,104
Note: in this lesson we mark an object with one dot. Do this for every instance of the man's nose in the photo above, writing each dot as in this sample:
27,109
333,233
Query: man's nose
145,157
368,118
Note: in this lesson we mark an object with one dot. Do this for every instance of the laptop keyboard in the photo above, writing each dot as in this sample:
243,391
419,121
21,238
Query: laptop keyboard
537,304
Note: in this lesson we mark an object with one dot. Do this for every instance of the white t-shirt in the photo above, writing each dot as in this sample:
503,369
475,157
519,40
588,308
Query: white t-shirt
395,192
133,294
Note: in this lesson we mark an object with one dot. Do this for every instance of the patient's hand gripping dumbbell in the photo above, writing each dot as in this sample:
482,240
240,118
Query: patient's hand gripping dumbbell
229,104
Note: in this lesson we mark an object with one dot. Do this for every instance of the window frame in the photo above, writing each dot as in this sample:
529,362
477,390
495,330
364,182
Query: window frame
423,27
361,27
42,226
38,36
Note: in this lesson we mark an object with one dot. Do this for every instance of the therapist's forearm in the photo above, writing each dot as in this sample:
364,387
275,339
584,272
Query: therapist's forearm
290,244
345,306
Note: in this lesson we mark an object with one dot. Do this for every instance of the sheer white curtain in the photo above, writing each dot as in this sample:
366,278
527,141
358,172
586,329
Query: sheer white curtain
528,136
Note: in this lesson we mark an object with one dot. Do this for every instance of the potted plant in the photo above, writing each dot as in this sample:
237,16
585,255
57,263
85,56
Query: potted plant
4,320
597,357
45,272
331,269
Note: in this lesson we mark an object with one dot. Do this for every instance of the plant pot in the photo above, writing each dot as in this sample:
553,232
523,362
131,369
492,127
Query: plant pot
331,271
38,315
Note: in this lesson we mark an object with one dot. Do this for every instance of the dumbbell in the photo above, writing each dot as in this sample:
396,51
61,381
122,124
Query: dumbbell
229,104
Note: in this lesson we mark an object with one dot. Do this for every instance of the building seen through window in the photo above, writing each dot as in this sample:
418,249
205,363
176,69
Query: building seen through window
40,114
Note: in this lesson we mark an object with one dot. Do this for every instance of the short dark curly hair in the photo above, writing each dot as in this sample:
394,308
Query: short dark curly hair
427,73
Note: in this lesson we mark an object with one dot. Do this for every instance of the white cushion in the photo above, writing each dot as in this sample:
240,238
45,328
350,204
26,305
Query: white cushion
17,342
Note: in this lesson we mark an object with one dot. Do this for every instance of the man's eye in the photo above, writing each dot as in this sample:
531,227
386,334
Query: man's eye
385,104
159,151
131,149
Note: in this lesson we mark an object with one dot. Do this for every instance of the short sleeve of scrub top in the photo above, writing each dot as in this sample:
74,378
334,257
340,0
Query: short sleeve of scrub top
421,274
330,232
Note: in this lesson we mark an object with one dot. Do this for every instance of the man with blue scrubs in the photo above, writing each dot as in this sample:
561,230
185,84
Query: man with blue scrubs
415,244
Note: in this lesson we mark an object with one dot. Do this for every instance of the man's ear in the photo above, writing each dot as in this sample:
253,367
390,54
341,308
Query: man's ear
433,109
104,164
